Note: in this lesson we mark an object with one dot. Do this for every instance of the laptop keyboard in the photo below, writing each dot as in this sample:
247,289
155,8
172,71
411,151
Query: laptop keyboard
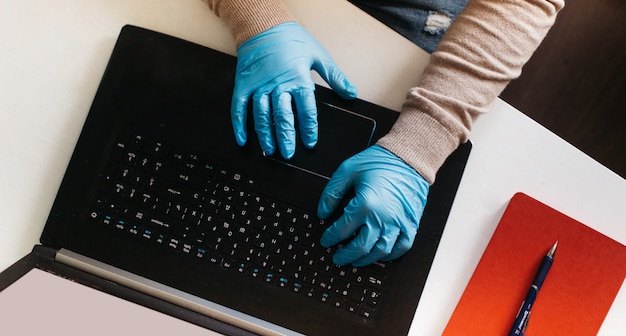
194,206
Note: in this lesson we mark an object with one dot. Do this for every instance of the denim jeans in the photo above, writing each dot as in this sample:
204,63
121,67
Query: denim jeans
422,21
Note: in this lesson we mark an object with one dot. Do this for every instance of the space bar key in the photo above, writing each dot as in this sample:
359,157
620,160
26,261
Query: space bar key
161,224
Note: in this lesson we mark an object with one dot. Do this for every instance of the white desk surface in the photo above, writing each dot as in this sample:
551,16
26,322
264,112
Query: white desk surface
53,54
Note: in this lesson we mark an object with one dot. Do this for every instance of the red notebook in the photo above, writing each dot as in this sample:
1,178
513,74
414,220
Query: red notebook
588,271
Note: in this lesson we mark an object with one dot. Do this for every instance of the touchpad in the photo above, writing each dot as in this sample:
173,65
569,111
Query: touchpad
342,133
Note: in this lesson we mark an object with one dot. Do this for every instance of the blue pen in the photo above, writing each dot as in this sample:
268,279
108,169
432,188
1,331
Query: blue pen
521,320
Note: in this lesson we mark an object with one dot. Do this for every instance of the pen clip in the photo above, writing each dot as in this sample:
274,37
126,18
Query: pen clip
525,324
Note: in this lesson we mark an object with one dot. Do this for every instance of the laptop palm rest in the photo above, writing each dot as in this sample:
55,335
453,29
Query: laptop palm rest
333,146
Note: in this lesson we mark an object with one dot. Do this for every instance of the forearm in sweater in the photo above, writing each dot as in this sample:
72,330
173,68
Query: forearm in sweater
247,18
483,50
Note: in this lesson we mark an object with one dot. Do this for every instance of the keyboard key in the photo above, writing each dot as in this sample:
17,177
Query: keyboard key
158,150
367,311
375,281
185,177
159,223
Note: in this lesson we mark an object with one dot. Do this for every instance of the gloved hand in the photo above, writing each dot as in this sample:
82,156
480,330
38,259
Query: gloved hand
389,200
273,68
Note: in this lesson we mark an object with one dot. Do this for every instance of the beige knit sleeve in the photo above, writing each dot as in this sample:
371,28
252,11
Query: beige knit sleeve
247,18
482,51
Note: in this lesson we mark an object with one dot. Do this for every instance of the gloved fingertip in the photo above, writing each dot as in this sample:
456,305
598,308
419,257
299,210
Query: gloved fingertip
240,136
310,144
351,91
333,193
327,241
309,139
268,149
402,246
239,130
343,86
324,210
340,259
286,150
287,154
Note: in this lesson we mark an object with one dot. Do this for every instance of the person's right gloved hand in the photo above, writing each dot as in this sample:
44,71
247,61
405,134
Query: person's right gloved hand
382,218
273,68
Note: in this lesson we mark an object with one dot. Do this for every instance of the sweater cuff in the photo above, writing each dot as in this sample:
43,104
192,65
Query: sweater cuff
426,148
247,18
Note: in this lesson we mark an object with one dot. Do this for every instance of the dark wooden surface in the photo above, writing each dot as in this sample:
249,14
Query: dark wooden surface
575,83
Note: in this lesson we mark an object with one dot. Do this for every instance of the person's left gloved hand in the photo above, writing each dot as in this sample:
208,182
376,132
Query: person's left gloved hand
385,212
273,68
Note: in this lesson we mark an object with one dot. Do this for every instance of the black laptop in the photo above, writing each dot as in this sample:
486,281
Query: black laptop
159,205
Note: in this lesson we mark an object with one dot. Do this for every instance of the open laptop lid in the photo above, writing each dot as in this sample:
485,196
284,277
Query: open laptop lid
41,296
174,89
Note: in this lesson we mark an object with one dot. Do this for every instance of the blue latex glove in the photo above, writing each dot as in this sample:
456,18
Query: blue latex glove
273,68
389,200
